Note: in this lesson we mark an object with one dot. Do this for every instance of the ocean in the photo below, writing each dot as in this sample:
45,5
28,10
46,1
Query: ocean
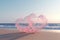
48,26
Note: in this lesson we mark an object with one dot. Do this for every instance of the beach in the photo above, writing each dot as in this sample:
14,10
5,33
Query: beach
6,34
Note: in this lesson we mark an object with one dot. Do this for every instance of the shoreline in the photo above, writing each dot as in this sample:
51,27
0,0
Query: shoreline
44,34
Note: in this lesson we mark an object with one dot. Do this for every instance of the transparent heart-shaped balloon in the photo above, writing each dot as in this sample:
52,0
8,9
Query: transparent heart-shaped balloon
31,24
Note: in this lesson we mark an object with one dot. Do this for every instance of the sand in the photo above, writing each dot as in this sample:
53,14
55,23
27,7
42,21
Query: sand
6,34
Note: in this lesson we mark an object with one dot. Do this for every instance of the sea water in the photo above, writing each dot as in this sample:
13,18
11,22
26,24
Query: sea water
12,26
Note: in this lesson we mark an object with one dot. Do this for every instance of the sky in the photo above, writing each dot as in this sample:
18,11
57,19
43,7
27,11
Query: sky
10,10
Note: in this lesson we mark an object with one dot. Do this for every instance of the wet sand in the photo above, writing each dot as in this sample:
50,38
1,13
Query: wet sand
6,34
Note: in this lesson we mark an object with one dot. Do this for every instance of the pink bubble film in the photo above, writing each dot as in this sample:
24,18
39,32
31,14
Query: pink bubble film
31,23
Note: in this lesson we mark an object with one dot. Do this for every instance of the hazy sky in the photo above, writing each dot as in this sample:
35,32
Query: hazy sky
10,10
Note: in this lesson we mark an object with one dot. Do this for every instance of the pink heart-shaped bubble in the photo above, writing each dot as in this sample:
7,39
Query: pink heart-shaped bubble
30,28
